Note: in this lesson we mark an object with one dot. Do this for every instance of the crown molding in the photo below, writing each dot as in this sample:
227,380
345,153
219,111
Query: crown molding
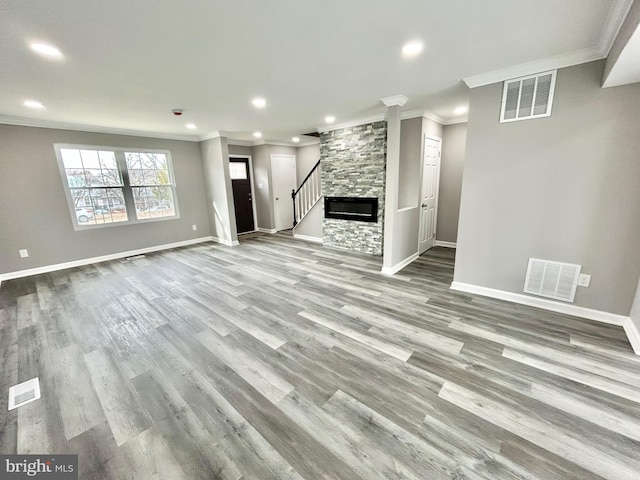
394,101
456,121
537,66
239,143
28,122
214,134
617,16
354,123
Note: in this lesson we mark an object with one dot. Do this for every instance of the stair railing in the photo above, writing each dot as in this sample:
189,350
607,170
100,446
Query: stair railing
307,194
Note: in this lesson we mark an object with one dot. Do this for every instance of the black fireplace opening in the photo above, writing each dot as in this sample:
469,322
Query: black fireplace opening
362,209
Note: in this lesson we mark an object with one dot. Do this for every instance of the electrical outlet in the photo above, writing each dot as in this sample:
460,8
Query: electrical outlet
584,280
194,227
23,253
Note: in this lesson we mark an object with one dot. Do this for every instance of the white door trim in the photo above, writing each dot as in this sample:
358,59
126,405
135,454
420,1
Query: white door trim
253,192
272,189
424,144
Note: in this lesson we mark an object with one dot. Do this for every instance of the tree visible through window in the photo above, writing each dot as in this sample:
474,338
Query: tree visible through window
109,185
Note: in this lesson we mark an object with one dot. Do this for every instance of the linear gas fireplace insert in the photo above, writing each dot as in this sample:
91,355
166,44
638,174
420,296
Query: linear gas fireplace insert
351,208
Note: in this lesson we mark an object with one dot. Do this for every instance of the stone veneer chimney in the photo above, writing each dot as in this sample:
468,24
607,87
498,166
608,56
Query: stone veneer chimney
353,165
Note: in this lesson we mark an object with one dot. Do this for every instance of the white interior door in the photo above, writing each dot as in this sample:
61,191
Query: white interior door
430,183
283,177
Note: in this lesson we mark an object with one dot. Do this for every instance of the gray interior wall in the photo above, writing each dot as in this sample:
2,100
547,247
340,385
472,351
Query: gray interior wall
261,155
454,139
410,165
311,224
34,213
635,319
222,218
238,149
561,188
306,159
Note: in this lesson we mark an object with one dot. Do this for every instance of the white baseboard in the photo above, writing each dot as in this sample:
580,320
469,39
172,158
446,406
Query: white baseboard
440,243
633,334
399,266
223,241
102,258
266,230
307,238
569,309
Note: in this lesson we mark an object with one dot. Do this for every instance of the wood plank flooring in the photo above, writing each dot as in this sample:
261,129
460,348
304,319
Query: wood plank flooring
279,359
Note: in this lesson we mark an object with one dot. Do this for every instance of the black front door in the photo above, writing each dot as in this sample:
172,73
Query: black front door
241,184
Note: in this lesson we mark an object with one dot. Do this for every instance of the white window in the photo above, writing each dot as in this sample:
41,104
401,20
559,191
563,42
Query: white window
528,97
112,186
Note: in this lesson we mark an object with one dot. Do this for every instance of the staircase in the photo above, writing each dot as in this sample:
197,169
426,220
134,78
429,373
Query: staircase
307,195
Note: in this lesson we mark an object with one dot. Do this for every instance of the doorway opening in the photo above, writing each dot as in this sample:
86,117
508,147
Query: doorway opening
240,171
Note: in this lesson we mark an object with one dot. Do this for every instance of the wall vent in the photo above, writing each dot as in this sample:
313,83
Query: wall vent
552,279
24,393
528,97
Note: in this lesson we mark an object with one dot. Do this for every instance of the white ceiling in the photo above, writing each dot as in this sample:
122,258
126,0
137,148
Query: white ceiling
127,64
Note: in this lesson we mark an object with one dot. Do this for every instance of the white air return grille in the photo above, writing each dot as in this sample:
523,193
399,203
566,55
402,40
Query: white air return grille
552,279
528,97
24,393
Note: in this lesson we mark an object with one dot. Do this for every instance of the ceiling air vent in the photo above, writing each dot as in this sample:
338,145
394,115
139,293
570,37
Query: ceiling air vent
552,279
528,97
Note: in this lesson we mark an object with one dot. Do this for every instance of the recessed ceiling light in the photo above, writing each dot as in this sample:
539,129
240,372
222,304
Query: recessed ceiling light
460,110
257,134
46,49
330,119
191,126
295,139
411,49
259,102
33,104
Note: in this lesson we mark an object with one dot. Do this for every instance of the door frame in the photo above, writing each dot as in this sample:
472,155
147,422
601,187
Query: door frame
271,190
435,219
253,196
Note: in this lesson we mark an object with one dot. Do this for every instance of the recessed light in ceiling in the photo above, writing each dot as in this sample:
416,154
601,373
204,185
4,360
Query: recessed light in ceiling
33,104
257,134
46,49
412,49
330,119
460,110
295,139
259,102
191,126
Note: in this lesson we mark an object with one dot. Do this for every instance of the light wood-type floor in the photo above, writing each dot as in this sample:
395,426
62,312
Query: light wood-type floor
283,359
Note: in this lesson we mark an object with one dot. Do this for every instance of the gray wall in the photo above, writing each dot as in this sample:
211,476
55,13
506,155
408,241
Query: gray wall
262,181
454,139
410,162
219,194
33,208
239,149
311,224
561,188
307,157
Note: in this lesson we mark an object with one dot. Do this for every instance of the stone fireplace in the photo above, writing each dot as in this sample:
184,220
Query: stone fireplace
353,166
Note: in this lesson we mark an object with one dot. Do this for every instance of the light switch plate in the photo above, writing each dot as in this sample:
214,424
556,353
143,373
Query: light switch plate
584,280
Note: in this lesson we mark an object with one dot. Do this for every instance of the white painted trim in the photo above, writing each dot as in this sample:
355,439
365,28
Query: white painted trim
464,119
421,113
633,333
399,266
214,134
267,230
308,238
394,101
530,68
29,122
102,258
226,242
441,243
597,315
239,143
617,16
353,123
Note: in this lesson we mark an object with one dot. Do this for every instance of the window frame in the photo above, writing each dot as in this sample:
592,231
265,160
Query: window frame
127,188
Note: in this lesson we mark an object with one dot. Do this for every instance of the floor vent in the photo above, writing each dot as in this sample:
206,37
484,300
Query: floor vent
24,393
136,257
552,279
